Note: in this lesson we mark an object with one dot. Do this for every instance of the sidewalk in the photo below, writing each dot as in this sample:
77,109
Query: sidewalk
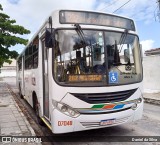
153,98
12,120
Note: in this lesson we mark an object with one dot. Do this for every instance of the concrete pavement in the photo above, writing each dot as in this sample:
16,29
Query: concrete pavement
12,120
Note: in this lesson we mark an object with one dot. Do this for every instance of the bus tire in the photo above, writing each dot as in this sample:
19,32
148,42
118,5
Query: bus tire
36,108
20,92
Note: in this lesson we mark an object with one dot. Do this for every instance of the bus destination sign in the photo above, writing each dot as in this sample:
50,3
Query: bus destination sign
93,18
84,78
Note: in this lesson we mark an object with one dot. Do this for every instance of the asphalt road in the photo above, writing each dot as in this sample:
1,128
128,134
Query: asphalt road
149,126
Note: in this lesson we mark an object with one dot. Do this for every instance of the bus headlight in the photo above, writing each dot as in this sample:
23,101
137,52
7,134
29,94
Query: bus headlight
139,100
135,105
67,110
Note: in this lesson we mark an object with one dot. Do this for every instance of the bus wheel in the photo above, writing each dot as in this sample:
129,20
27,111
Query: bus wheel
38,119
20,92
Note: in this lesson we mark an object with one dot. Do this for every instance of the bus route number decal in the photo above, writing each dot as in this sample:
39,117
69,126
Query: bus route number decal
65,123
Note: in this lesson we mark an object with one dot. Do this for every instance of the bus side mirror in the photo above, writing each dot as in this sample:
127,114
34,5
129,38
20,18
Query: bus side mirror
49,38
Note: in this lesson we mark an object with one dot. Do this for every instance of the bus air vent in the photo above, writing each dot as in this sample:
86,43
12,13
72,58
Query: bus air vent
95,98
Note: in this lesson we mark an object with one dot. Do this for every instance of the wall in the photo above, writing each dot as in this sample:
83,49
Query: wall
8,69
151,72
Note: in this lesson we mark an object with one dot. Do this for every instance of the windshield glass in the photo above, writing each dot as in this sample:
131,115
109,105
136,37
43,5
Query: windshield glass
97,58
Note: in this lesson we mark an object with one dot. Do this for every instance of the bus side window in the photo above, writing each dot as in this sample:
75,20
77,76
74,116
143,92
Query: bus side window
35,60
35,48
26,64
26,58
20,64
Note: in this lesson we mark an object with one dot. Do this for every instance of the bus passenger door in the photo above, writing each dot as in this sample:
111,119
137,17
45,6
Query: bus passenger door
45,81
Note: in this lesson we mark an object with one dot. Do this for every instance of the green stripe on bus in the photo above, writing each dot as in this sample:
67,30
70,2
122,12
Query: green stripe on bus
98,106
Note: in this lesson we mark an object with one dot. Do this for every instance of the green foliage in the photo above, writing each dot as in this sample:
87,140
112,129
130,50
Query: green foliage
8,37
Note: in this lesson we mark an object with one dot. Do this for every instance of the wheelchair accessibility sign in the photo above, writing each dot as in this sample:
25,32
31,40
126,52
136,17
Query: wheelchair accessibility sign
113,77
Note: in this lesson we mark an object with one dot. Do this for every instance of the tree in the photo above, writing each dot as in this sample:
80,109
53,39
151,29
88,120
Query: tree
8,37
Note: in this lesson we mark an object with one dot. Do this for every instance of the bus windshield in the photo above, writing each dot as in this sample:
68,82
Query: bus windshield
97,58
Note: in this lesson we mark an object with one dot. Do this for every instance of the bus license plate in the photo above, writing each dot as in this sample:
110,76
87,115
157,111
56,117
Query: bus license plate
107,122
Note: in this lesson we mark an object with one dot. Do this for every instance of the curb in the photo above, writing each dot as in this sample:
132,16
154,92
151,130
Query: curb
152,101
25,120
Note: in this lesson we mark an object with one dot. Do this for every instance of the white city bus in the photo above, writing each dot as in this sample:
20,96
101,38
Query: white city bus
83,70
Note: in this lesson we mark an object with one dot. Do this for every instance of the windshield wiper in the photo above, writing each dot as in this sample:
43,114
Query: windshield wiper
122,39
81,34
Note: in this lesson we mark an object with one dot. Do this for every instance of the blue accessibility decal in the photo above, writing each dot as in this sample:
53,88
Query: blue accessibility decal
113,77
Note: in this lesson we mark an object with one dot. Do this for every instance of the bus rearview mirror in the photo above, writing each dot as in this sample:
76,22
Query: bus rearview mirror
49,38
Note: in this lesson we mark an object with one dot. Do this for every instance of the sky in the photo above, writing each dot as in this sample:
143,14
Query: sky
32,13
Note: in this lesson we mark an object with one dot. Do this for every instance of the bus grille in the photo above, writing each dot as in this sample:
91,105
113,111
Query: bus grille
97,124
95,98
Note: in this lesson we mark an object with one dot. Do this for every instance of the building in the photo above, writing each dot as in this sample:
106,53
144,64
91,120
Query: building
8,70
151,70
155,51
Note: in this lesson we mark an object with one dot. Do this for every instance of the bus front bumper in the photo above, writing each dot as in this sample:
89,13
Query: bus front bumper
62,123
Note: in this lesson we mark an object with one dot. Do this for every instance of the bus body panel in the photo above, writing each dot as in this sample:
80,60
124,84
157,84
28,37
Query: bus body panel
64,124
77,103
31,85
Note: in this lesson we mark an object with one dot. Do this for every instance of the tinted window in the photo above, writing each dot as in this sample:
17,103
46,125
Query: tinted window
31,55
